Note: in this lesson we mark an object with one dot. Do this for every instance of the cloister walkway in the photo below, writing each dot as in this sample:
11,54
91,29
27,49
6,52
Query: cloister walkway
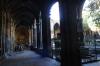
28,58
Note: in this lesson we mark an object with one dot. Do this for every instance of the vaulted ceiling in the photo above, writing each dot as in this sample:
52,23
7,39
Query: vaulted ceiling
24,11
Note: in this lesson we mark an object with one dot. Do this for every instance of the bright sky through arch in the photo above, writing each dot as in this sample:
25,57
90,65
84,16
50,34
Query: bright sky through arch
54,12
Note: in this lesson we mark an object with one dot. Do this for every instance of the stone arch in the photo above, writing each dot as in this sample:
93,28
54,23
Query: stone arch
56,30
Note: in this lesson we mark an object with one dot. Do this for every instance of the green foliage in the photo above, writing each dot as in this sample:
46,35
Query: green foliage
96,18
94,9
85,24
85,20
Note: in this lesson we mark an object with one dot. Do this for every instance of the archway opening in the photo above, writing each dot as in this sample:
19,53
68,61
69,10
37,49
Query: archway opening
21,38
55,31
91,25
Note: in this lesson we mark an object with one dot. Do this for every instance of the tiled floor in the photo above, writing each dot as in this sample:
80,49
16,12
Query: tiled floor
28,58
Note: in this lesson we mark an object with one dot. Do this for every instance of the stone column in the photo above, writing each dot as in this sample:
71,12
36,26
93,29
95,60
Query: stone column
0,33
2,27
40,20
38,32
9,45
12,34
4,31
32,34
30,40
70,47
80,29
45,31
6,36
8,33
35,34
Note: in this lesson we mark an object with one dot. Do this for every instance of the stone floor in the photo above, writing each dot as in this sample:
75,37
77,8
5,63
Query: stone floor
95,63
28,58
92,64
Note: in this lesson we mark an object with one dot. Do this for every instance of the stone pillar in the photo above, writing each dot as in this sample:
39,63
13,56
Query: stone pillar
12,34
79,23
0,33
8,33
35,34
4,31
30,35
46,31
6,36
1,29
38,32
70,47
40,20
